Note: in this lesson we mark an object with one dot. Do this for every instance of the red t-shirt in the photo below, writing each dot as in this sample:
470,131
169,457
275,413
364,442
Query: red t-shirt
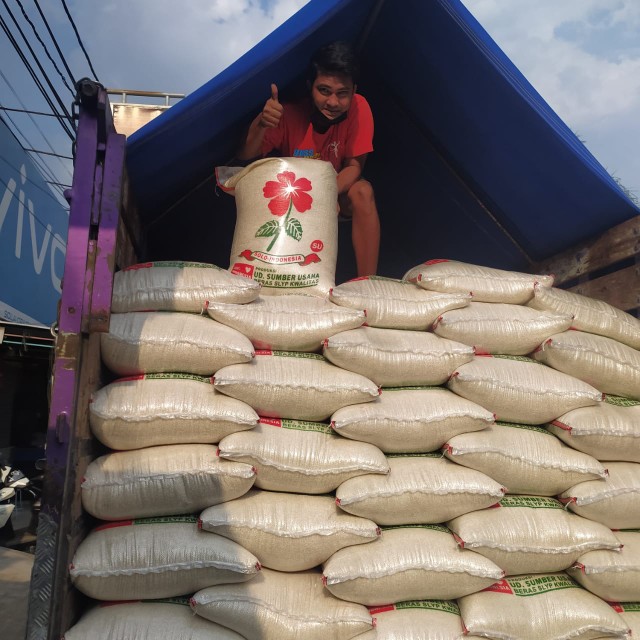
294,136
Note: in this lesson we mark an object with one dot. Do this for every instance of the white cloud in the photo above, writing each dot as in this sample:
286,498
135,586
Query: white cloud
583,57
228,9
162,45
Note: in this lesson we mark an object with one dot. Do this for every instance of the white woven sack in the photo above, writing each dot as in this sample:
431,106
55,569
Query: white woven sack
159,342
165,408
630,613
408,563
411,420
500,328
287,323
301,457
589,314
162,481
286,235
484,283
288,384
530,534
419,489
158,558
520,390
148,620
416,620
395,304
608,431
177,286
524,459
614,501
396,358
606,364
546,606
285,531
612,575
286,606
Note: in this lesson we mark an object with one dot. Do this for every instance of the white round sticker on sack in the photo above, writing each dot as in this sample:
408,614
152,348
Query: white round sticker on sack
286,235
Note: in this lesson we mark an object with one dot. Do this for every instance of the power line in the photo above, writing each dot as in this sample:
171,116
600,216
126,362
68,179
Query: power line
14,42
41,88
35,113
49,153
86,55
35,217
32,72
43,167
35,184
44,46
35,124
55,42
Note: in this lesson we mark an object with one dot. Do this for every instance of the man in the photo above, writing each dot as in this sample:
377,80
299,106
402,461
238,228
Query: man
334,124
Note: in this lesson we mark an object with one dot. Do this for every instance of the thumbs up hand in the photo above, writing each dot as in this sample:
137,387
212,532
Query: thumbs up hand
272,110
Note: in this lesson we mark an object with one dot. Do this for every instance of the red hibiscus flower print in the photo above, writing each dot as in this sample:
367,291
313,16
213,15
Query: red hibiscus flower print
288,191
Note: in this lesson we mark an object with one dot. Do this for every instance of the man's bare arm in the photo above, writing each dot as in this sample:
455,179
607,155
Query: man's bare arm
268,118
350,173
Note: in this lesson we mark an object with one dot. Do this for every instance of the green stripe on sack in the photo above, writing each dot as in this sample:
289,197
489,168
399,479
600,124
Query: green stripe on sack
433,527
533,585
433,605
533,502
417,388
620,401
182,600
299,354
191,519
303,425
177,376
518,358
527,427
176,264
433,454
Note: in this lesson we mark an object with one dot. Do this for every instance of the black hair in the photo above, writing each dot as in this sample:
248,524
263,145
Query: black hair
336,59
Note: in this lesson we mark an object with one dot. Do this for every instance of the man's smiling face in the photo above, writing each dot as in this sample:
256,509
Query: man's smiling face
332,95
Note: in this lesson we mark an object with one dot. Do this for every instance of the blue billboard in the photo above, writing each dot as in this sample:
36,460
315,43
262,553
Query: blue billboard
33,232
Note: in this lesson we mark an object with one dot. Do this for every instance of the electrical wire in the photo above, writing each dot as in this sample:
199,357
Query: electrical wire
35,184
14,42
52,89
35,217
55,42
44,46
40,67
35,113
48,153
16,46
86,55
44,168
35,124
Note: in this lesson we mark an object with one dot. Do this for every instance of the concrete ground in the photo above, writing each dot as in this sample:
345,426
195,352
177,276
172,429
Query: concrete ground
15,575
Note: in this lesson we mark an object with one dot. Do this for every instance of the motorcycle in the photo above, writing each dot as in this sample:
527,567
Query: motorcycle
12,483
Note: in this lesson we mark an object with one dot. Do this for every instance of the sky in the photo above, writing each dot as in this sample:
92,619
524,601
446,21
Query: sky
582,56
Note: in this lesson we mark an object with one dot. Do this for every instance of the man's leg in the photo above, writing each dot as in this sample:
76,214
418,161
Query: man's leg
360,205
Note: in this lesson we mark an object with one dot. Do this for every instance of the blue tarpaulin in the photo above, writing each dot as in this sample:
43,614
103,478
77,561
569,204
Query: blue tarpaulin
470,163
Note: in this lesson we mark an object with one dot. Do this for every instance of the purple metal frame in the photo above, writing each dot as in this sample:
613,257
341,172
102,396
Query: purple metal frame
95,200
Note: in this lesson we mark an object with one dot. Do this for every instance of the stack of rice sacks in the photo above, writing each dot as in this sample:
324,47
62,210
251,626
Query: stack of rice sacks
445,463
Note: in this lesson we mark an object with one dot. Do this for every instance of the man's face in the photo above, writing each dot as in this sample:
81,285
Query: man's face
332,95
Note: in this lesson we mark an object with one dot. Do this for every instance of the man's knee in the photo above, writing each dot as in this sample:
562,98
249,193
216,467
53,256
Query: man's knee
360,192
